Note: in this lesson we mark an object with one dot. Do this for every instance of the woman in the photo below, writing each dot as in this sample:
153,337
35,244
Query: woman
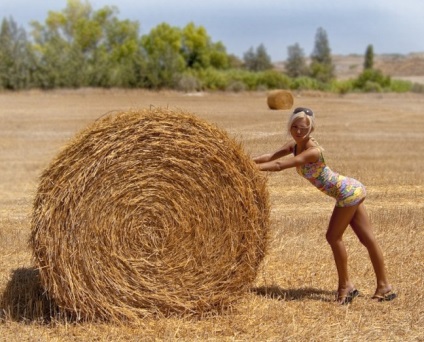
349,208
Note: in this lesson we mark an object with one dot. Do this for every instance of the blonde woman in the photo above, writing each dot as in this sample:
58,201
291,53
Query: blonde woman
349,209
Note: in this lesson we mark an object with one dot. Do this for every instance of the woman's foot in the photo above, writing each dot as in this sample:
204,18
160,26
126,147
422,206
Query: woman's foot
384,295
345,297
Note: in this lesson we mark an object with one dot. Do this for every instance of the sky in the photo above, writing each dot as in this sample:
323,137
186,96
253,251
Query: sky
390,26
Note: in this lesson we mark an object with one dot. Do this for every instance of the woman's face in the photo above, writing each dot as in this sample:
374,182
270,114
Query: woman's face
299,129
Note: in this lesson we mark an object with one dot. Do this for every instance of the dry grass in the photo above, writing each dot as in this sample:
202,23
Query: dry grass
376,138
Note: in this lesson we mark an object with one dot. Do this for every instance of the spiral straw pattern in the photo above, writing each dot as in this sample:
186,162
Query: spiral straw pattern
149,211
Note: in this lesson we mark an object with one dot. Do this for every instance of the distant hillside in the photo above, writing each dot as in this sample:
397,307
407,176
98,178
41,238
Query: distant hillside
393,65
408,67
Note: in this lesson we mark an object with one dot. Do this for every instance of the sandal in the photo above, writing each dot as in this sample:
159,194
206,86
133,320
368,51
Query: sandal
387,297
348,298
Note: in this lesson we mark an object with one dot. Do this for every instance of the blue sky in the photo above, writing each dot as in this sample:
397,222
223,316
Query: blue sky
391,26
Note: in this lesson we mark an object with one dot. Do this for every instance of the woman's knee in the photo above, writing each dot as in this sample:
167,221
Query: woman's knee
332,238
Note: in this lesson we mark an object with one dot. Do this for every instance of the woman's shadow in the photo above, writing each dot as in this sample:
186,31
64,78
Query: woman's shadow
276,292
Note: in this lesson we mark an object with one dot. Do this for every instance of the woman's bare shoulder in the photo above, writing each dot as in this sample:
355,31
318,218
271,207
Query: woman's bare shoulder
312,143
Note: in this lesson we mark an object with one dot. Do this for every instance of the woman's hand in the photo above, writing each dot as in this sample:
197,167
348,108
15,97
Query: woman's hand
310,155
281,152
263,158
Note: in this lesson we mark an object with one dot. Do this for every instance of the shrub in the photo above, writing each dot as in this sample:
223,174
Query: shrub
273,79
236,86
342,87
248,78
188,83
370,76
400,86
372,87
305,83
213,79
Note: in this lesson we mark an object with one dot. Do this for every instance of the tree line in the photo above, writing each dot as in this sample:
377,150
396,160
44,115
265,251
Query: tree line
83,47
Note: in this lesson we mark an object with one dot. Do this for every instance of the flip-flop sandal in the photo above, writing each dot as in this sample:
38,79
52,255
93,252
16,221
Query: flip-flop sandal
387,297
349,297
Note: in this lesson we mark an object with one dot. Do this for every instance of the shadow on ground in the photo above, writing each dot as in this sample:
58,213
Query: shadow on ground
24,299
276,292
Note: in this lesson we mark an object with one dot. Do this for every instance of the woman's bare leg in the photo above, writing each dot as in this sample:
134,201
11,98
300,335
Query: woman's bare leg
339,221
362,227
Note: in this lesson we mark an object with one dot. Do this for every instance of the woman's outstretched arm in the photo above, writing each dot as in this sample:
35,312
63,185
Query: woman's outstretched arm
281,152
308,156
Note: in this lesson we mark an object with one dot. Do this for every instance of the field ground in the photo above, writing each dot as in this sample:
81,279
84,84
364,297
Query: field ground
377,138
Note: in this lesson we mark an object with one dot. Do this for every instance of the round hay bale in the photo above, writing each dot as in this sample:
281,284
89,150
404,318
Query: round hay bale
149,212
280,99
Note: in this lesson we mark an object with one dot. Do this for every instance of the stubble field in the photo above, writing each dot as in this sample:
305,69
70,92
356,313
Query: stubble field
376,138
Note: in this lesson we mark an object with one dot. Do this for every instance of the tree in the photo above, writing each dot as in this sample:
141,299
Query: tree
165,62
296,63
370,79
219,59
81,47
199,51
62,47
249,59
195,44
234,62
321,67
257,61
118,56
369,58
16,57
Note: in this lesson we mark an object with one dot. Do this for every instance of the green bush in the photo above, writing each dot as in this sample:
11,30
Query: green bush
248,78
272,79
306,83
236,86
187,83
342,87
372,87
212,79
370,78
400,86
238,80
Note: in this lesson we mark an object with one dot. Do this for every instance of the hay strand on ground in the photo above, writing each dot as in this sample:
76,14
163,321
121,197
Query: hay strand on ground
280,99
149,212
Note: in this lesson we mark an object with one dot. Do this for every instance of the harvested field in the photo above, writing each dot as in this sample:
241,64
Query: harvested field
377,138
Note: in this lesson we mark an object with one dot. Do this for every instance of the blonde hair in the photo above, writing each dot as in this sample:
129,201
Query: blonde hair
299,113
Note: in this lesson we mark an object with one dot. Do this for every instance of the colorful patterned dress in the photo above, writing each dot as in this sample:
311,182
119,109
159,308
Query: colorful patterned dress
347,191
